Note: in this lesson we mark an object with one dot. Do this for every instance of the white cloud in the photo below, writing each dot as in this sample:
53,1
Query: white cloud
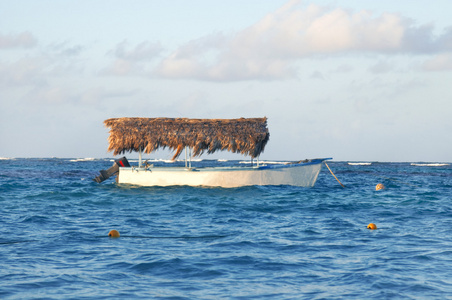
142,51
24,71
132,61
65,50
344,69
299,33
37,70
271,48
36,66
195,59
381,67
21,40
66,95
121,67
97,95
51,95
317,75
179,67
440,62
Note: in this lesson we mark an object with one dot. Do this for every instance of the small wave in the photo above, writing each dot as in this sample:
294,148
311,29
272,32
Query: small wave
7,158
360,164
222,160
82,159
166,161
430,165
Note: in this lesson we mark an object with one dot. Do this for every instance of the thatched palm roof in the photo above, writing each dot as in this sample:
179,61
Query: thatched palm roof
246,136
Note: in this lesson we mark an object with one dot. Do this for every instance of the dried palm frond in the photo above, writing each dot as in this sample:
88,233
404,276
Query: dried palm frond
247,136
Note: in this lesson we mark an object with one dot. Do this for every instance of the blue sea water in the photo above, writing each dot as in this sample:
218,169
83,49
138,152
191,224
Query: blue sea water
277,242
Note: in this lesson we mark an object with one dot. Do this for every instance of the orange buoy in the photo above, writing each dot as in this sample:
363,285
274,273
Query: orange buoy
372,226
113,233
380,186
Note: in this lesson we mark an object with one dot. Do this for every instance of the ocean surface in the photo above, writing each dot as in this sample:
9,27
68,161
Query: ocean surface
276,242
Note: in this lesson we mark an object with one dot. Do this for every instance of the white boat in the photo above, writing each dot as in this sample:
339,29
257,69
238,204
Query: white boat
246,136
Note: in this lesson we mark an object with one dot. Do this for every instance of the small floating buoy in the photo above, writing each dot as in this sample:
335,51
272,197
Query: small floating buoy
380,186
372,226
113,233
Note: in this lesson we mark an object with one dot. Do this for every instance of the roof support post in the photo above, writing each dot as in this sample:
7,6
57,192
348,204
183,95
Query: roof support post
188,155
139,157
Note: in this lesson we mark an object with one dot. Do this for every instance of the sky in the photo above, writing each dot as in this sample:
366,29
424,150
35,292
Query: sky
355,80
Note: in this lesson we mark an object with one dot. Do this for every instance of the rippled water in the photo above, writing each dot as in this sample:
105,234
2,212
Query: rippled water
210,243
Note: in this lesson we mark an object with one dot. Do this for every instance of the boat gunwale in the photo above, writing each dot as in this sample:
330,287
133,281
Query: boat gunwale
228,169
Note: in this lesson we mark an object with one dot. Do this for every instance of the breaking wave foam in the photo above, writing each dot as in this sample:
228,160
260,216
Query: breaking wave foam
430,165
82,159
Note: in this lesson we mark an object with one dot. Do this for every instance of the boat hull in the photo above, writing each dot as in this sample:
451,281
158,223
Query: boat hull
298,174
